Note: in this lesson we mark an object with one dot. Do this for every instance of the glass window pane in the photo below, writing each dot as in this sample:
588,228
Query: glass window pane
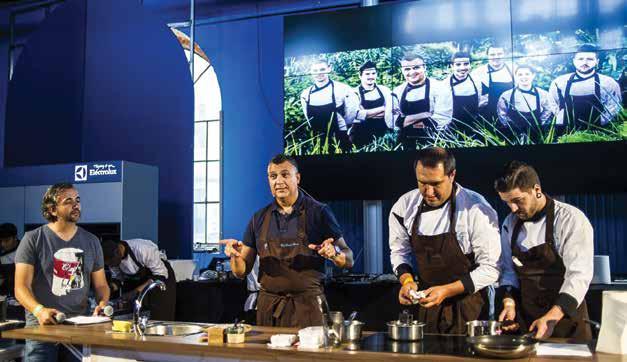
213,142
213,223
200,141
200,174
199,223
213,181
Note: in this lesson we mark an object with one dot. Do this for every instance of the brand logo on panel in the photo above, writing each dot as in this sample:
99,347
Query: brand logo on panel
80,173
103,169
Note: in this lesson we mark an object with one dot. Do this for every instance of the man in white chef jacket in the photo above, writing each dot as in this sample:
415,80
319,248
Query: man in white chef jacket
547,258
453,233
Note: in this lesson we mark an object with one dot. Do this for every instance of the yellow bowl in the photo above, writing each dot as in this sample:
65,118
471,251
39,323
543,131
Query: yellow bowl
122,326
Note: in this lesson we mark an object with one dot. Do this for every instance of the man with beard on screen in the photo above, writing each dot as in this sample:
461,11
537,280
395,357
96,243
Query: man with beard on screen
586,98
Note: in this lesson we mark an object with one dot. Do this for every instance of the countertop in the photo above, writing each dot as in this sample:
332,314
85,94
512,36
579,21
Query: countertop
100,335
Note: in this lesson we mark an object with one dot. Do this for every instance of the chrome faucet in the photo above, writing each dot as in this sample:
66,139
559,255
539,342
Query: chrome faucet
139,322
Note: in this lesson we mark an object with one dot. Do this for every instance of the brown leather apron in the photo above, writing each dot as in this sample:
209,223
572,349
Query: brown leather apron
541,277
290,276
441,261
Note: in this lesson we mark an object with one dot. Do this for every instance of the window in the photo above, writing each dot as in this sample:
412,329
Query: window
207,149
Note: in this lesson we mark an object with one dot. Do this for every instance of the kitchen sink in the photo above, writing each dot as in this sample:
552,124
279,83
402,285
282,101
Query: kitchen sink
174,329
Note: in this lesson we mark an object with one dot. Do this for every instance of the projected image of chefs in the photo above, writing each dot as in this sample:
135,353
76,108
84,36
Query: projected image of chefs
416,99
524,109
496,77
460,96
586,98
375,114
329,107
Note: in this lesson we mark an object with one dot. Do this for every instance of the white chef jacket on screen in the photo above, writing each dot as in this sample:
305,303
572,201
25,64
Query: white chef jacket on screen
146,253
418,94
573,237
476,227
344,95
373,95
611,96
526,102
443,113
253,287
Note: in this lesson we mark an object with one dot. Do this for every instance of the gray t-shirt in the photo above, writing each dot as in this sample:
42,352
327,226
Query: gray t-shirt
62,278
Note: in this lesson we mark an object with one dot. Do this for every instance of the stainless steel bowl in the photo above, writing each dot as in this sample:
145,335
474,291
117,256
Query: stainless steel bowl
352,331
483,328
410,332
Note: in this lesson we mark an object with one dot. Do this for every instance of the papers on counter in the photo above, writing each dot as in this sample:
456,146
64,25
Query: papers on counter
87,320
563,349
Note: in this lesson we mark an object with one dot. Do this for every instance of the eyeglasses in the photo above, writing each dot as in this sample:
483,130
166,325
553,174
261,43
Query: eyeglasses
415,67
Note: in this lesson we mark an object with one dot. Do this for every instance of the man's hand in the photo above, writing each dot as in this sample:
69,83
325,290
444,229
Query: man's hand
403,295
508,314
46,316
437,294
232,247
544,325
326,249
99,309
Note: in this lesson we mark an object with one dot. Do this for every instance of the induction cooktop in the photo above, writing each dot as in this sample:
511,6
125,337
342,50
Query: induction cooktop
454,345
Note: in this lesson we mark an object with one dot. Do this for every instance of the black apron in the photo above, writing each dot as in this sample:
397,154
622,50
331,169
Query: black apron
465,108
441,261
290,276
541,277
521,121
323,119
409,135
161,304
363,133
580,112
494,90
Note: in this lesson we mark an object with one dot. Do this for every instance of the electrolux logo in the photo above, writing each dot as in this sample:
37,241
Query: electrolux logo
80,173
103,169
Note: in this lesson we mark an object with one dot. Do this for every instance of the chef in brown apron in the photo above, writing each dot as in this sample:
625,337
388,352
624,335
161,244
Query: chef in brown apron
293,236
547,258
453,234
140,262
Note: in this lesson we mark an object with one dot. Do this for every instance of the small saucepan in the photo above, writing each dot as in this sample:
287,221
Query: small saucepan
504,346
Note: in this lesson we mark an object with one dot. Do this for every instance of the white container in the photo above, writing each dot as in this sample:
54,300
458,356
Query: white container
601,273
183,268
311,337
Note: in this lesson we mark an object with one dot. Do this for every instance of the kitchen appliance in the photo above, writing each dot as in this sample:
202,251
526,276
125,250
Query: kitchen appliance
503,346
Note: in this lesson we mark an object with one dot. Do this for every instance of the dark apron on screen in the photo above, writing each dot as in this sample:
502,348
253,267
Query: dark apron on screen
495,89
409,135
541,277
290,275
523,121
581,112
161,304
323,119
441,261
465,108
363,133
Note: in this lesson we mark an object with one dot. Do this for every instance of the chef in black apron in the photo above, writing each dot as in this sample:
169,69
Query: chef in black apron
547,259
375,115
139,261
586,99
458,105
453,233
496,77
526,109
293,237
329,107
416,99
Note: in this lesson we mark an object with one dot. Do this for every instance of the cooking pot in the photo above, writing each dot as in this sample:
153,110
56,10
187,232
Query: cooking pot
483,328
405,331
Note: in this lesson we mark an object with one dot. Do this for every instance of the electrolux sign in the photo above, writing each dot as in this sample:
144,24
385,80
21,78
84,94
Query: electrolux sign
98,172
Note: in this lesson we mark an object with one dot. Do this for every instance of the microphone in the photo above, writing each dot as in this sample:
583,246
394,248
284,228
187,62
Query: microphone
107,311
60,317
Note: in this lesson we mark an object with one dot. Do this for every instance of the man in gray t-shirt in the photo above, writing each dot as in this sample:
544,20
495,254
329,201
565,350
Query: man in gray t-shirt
55,266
